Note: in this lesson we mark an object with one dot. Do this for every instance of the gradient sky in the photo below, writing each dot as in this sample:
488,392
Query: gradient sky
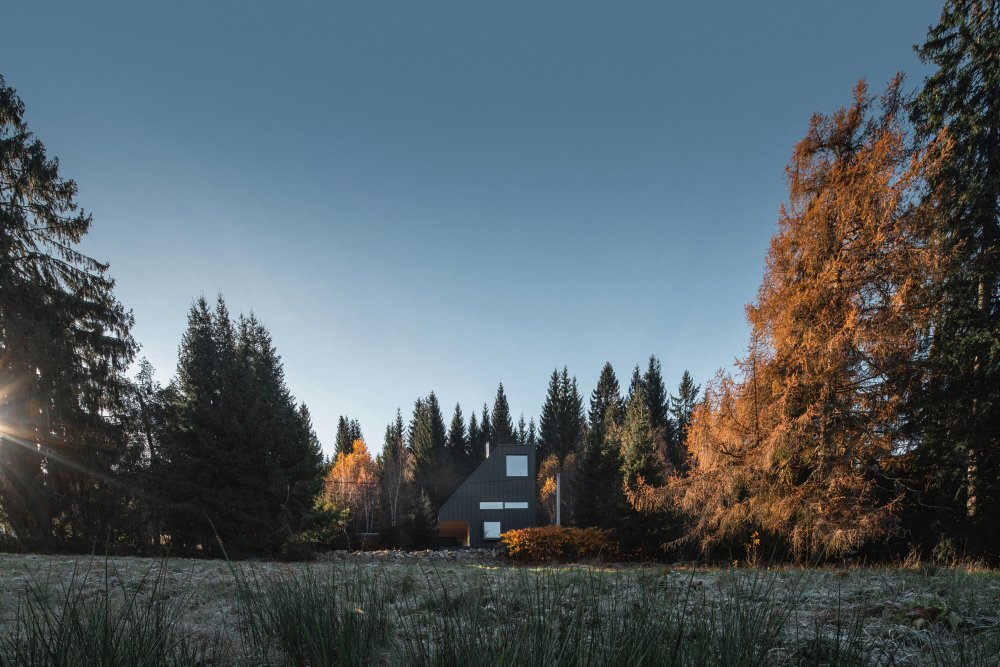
424,195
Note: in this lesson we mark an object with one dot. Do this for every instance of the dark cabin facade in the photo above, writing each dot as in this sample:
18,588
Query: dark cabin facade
498,496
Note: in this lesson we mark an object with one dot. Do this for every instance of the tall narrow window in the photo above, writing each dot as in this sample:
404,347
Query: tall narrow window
517,466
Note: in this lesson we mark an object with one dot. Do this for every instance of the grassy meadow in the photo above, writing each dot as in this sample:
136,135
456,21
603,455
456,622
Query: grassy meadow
135,612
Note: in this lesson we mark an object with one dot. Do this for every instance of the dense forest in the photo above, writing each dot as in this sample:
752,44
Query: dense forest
862,421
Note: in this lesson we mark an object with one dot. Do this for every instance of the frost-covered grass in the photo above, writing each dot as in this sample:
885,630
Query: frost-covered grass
61,611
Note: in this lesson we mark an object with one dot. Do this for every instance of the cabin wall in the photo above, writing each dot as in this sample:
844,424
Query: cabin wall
490,483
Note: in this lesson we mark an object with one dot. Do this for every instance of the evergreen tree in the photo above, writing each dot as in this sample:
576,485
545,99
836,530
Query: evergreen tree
959,400
421,518
562,426
476,443
682,407
241,461
522,431
348,430
65,345
658,405
458,444
278,445
634,384
598,480
638,448
606,405
532,439
485,431
657,400
501,427
145,408
433,470
299,474
393,476
549,421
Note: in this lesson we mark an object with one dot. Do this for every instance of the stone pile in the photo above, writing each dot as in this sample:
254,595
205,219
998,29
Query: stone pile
427,555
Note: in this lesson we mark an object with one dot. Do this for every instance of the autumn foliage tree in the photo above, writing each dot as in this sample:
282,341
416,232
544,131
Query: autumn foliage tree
806,442
353,483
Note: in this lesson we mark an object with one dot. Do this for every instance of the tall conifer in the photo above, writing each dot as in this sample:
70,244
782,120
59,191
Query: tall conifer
395,468
599,478
476,443
433,469
502,426
561,425
241,461
485,430
638,448
348,430
682,407
959,397
65,345
807,444
458,443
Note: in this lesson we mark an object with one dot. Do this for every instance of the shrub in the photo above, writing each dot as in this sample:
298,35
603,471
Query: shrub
557,543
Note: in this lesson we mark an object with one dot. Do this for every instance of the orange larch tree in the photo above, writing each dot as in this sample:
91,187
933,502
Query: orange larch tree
353,483
806,442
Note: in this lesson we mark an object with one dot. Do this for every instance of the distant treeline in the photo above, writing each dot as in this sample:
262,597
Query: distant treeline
863,420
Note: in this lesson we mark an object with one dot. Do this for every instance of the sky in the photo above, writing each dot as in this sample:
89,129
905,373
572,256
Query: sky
418,196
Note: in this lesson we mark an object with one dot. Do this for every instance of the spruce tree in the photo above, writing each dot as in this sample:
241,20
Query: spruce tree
433,470
140,467
241,461
65,346
522,431
192,430
606,405
501,426
299,462
394,469
682,407
458,443
657,400
658,404
634,384
348,430
598,480
279,457
475,442
549,421
561,425
485,431
958,401
638,449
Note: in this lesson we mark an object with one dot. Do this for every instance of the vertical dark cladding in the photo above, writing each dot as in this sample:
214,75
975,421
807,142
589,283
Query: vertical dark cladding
490,483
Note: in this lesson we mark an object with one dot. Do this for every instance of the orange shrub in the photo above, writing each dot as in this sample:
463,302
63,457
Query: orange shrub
556,543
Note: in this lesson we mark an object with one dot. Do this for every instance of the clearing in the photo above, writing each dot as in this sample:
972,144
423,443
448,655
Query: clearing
452,610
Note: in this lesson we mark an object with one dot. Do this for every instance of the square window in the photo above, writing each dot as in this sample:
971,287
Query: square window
491,530
520,505
490,505
517,466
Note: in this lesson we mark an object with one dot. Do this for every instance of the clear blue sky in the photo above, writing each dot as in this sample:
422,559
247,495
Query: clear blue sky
425,195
